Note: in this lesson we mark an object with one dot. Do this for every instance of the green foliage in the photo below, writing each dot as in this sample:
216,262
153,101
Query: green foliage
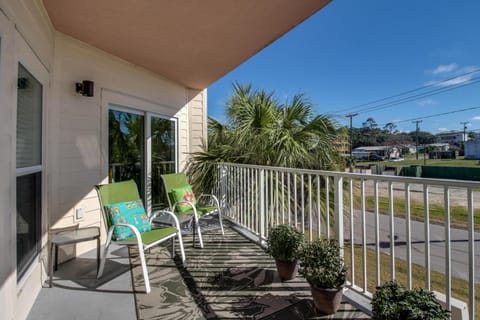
284,243
322,265
391,301
262,131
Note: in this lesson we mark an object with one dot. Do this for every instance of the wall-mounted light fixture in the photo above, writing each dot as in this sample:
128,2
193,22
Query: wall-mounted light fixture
85,88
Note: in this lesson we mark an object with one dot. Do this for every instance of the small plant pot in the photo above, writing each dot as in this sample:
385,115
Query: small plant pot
327,300
287,270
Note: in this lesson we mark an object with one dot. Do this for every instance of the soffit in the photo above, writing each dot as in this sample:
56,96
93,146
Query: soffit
192,42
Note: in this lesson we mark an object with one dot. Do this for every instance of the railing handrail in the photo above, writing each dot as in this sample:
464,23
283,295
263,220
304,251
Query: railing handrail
375,177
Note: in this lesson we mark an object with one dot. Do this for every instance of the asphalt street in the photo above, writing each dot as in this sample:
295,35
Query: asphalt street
459,243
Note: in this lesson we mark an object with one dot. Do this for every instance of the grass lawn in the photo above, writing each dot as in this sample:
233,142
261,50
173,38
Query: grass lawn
460,162
458,214
459,287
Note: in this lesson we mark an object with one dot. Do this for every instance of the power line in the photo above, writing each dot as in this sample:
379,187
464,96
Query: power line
407,92
433,115
417,97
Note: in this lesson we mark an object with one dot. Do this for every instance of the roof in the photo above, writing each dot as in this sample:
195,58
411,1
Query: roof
373,148
191,42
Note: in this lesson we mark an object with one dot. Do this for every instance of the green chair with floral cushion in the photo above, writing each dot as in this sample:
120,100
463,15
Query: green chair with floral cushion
128,224
182,201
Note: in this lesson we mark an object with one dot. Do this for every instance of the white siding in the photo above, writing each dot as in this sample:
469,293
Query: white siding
75,143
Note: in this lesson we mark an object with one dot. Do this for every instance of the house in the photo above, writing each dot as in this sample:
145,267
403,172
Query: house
383,151
100,91
452,137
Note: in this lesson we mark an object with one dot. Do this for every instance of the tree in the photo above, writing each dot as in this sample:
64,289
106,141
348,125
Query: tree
424,137
262,131
390,128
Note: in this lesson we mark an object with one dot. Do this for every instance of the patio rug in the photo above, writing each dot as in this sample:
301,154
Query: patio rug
230,278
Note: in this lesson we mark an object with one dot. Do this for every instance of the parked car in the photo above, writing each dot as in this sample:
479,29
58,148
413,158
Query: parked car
396,159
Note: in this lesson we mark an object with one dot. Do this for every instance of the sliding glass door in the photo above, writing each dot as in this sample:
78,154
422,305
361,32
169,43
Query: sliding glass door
142,146
163,157
126,155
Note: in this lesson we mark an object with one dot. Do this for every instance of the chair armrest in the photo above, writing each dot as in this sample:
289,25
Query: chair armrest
190,204
179,202
132,227
171,214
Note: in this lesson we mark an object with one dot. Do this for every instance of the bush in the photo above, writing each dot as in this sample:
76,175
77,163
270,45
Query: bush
391,301
284,243
322,265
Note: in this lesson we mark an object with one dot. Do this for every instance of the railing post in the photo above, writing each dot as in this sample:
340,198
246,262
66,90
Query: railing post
262,203
222,186
338,182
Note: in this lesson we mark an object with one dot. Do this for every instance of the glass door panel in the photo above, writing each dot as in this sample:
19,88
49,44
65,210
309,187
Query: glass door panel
163,157
126,152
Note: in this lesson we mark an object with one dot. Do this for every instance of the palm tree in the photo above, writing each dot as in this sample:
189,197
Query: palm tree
260,130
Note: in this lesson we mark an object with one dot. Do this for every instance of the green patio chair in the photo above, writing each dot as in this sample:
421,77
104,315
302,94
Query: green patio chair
181,203
126,225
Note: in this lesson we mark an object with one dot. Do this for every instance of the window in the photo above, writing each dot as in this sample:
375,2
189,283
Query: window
29,168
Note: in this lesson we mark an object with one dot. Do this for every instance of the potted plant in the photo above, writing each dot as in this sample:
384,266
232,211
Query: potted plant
284,245
392,301
324,269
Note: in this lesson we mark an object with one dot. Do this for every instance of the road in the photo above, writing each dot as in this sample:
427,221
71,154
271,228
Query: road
459,243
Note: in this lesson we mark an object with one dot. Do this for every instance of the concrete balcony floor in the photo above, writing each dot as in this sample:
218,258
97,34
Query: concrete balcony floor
231,278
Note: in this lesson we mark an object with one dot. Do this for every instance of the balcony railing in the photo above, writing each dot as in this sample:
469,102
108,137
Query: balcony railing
382,222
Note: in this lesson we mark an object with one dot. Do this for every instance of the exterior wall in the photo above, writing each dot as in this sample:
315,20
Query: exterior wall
197,119
472,150
452,137
81,140
75,145
26,36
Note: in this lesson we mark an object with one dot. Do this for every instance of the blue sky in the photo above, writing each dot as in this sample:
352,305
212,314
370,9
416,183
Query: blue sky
353,52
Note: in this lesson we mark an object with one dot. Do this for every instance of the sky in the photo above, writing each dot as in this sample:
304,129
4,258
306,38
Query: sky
354,52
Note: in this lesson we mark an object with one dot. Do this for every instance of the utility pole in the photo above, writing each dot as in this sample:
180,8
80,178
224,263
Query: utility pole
464,131
416,138
351,115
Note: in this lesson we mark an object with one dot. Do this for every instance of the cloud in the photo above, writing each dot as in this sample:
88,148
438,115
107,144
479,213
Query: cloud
443,129
465,75
476,118
426,102
445,68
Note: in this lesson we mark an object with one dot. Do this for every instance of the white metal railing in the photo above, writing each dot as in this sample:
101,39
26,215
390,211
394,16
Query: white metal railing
318,202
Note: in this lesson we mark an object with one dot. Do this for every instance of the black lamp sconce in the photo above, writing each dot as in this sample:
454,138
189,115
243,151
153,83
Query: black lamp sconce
85,88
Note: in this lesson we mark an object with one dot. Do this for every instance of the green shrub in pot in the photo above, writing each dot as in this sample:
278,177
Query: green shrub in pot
392,301
324,269
284,245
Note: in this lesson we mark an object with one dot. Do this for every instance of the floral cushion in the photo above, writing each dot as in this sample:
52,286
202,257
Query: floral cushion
130,212
184,194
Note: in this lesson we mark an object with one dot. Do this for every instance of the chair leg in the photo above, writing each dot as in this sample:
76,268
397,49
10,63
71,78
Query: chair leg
182,250
102,260
220,220
144,270
199,233
193,231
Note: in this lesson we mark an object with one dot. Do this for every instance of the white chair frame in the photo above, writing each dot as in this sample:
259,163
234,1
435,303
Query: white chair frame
138,241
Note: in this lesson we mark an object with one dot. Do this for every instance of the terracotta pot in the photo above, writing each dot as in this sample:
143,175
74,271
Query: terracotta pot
327,300
287,270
